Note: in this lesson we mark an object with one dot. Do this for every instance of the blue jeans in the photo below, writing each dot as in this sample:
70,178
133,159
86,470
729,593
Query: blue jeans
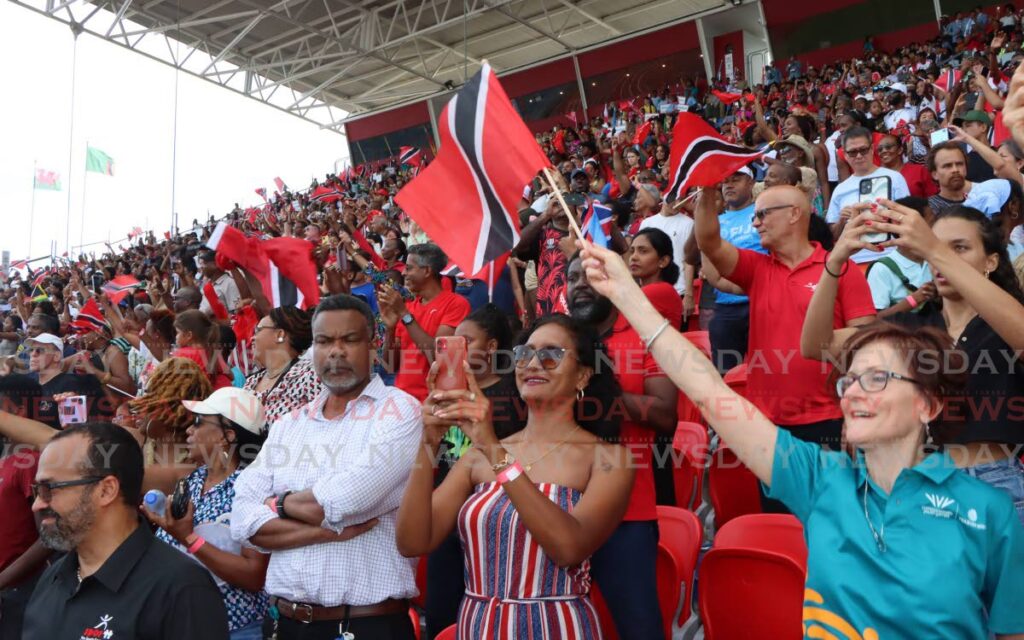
729,331
624,569
253,632
1007,475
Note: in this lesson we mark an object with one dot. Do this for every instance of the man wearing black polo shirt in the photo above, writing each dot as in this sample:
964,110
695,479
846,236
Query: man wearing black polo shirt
116,582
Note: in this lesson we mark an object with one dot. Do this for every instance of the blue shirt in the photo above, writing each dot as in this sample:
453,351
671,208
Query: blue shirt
737,229
953,562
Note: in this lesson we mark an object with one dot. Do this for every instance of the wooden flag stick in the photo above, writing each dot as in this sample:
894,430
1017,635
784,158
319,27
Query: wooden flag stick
558,194
680,203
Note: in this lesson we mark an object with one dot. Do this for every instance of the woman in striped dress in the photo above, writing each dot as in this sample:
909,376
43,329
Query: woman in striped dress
531,508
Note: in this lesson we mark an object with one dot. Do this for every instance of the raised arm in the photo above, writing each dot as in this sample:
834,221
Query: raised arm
1002,168
746,430
708,232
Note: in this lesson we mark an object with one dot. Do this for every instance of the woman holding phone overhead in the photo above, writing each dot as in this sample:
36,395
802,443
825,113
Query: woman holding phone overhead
883,557
981,312
546,496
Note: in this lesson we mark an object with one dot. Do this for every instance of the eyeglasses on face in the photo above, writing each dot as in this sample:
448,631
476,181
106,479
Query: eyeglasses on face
760,214
870,381
44,490
858,152
266,326
887,147
549,357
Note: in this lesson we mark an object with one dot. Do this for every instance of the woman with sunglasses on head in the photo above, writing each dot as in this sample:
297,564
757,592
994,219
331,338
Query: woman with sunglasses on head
226,434
285,381
981,311
488,351
538,502
651,263
896,539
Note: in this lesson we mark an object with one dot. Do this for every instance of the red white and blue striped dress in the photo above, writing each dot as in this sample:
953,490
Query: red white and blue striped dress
513,590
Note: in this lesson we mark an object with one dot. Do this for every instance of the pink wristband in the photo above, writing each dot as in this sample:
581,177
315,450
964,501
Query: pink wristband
197,545
510,473
911,301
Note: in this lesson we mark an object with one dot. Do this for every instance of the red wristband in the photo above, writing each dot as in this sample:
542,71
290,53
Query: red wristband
510,473
195,546
911,301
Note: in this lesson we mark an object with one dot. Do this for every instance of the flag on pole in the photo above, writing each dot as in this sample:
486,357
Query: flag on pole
410,156
279,183
701,157
261,192
325,194
597,224
486,157
642,131
727,98
89,319
98,162
119,287
46,180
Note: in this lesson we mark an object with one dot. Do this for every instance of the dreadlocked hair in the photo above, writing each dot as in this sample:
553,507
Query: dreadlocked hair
174,380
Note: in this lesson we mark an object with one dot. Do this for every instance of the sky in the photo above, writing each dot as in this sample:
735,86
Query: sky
228,145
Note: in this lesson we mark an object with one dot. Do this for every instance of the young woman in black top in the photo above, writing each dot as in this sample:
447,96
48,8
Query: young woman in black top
981,310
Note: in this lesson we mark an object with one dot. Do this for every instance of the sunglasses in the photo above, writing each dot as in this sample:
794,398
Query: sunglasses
548,357
860,151
760,214
887,147
44,490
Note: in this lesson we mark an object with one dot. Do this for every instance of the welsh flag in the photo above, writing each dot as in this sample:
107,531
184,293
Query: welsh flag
98,161
47,180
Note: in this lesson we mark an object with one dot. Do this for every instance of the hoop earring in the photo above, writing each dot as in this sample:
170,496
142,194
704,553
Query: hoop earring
579,395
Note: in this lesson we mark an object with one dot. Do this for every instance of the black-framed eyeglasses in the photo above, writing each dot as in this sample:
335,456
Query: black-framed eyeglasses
549,357
44,490
859,151
760,214
871,381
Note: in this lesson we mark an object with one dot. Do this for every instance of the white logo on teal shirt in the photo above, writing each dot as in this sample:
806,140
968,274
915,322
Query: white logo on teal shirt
972,520
939,506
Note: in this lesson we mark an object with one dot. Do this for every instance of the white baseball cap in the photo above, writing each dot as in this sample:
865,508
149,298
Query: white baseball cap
237,405
47,339
745,171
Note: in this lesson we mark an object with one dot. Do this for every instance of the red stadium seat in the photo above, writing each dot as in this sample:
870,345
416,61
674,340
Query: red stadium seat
746,594
774,532
693,322
415,618
446,634
736,378
701,340
682,533
733,487
421,582
691,444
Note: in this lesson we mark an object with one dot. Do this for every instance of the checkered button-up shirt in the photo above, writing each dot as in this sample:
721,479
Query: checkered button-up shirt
357,466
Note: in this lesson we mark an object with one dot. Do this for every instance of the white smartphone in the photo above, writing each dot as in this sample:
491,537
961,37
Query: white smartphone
940,136
72,411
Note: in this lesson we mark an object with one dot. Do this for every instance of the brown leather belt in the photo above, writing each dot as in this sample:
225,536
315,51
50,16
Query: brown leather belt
312,613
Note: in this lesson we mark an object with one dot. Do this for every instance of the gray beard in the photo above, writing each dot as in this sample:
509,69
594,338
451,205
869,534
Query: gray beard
68,531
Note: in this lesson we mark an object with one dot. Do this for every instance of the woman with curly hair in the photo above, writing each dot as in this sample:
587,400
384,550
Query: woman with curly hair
160,412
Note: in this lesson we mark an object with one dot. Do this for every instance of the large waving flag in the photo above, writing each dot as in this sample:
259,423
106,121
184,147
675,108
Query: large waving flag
326,194
487,156
700,157
948,80
98,162
284,266
120,287
46,180
727,98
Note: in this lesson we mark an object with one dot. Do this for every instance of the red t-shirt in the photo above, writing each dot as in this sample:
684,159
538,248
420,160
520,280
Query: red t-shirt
633,365
218,380
666,300
17,527
919,181
786,387
448,309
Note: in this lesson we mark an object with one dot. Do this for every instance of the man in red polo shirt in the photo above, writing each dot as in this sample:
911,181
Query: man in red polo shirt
624,566
412,326
790,389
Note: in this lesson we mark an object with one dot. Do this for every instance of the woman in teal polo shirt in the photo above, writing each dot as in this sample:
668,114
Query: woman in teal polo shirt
901,543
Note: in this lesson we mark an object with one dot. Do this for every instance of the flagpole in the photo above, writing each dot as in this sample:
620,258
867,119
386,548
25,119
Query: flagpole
71,136
85,184
32,211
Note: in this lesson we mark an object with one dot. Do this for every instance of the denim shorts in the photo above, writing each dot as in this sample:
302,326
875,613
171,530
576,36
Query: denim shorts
1007,475
252,632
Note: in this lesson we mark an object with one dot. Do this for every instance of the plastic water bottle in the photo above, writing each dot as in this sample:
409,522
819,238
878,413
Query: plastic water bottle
156,501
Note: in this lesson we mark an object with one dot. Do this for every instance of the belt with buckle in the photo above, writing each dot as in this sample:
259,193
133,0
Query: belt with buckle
307,613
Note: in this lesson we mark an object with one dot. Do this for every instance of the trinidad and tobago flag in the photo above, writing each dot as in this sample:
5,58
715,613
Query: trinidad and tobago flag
120,287
700,157
948,80
326,194
486,157
411,156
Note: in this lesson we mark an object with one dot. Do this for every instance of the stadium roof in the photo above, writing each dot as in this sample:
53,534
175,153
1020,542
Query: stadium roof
323,60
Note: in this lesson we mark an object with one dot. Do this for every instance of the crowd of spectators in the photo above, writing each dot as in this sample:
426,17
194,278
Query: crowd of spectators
883,223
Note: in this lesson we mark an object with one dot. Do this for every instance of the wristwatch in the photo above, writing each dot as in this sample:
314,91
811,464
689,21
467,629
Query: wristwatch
407,319
281,513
